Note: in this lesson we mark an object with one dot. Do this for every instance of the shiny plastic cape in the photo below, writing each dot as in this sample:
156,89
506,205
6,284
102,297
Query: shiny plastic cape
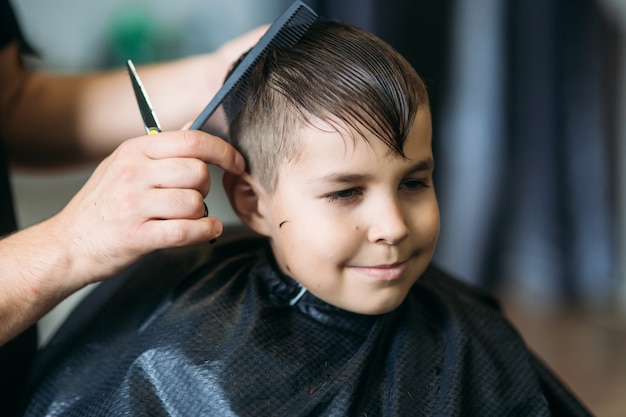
216,331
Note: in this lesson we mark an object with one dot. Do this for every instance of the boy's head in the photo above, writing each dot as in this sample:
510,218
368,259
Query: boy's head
336,131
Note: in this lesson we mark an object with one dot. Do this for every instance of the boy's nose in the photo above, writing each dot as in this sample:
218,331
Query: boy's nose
387,224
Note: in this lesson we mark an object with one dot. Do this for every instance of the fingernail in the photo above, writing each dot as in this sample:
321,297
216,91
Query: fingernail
240,163
219,229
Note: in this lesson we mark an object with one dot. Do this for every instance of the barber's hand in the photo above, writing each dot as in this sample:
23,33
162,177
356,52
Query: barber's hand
147,195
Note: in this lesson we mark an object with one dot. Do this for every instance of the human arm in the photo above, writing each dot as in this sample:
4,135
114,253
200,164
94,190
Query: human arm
52,119
147,195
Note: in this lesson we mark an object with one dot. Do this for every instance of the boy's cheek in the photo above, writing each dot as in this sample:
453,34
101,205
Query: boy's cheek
436,225
427,221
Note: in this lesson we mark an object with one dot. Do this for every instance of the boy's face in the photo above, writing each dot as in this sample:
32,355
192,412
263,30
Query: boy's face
352,222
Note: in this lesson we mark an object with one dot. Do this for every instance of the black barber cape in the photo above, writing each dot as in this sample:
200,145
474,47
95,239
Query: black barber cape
211,331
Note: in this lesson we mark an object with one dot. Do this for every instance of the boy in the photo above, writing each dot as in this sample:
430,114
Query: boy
336,311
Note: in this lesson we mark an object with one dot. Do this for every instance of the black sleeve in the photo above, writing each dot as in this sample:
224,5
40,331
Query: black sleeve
16,360
16,356
10,29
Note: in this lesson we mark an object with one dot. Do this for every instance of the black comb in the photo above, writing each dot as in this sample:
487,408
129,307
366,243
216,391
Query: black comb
286,31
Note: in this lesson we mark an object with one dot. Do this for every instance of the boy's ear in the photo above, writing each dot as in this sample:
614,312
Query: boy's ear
243,194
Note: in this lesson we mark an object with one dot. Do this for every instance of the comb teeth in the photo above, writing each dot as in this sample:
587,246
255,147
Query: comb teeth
286,31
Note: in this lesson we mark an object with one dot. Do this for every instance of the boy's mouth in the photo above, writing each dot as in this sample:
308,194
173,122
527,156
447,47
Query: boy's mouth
387,272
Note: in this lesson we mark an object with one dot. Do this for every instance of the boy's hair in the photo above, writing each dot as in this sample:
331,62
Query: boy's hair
337,73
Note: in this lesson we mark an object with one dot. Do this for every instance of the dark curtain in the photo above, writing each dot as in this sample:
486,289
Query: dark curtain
560,132
548,230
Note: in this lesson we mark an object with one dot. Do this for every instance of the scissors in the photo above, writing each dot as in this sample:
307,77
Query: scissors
147,113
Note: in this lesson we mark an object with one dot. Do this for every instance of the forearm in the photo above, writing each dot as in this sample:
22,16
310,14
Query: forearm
36,273
78,118
45,125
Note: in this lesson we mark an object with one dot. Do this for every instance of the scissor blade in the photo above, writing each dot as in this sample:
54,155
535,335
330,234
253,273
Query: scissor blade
147,113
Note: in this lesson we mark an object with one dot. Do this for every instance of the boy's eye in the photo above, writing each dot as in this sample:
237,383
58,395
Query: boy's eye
413,184
343,195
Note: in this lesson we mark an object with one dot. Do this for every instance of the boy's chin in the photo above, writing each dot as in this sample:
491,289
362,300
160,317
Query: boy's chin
383,306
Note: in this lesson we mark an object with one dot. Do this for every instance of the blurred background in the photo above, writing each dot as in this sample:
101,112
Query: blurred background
529,112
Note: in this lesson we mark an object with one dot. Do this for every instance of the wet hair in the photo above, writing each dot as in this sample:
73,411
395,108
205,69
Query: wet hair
337,73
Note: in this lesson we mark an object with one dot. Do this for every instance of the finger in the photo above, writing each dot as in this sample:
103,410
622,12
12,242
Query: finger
181,232
187,173
170,204
194,144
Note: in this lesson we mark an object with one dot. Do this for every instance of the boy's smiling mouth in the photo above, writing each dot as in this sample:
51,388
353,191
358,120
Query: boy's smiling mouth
385,272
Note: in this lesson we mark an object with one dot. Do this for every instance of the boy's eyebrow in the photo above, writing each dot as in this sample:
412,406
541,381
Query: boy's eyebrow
426,164
344,178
